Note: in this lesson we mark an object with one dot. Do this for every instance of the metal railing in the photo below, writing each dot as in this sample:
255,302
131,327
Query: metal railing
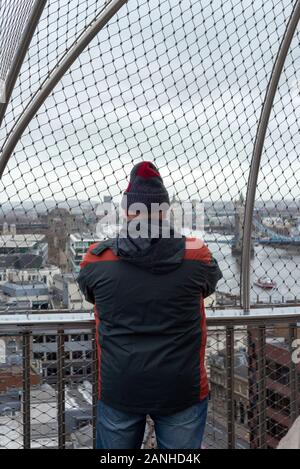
51,368
173,90
176,91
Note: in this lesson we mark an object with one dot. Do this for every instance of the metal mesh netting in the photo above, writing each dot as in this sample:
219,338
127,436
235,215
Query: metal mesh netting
253,401
277,207
57,374
181,84
13,16
60,26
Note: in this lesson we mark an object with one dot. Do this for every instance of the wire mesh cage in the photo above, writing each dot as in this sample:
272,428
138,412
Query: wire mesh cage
48,393
182,84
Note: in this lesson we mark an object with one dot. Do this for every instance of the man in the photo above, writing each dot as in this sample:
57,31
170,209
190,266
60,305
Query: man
148,294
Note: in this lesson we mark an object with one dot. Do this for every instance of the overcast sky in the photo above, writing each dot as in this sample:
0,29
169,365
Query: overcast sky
178,82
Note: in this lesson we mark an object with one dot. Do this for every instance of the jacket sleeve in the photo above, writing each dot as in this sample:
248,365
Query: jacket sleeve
84,286
86,278
207,277
206,272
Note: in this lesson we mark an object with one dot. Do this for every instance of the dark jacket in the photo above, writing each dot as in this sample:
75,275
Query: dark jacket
150,318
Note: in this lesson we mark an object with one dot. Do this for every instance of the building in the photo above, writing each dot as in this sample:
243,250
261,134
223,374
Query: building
61,223
20,261
278,391
279,399
11,377
10,401
19,244
278,225
217,369
35,294
78,245
78,354
43,412
44,274
5,229
66,293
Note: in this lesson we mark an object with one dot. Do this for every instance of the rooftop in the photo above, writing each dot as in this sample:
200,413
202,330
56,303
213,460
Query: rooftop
20,261
66,406
20,240
85,237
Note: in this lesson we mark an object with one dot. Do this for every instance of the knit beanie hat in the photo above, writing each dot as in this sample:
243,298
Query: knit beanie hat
146,186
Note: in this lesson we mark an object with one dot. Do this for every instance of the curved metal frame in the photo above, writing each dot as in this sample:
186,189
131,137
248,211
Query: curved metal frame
80,44
28,32
257,152
73,53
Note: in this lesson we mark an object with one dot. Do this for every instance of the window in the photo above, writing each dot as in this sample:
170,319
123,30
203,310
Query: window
12,346
278,402
75,338
38,339
277,372
275,429
77,355
242,413
51,356
50,338
38,355
88,354
82,423
284,375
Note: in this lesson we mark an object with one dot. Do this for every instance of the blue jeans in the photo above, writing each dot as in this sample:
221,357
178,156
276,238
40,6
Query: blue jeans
122,430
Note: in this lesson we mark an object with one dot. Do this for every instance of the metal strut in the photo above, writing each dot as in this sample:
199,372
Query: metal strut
257,152
54,78
19,56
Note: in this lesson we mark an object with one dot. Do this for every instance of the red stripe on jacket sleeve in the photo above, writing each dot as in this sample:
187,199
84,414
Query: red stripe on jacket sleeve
204,389
195,249
89,257
97,319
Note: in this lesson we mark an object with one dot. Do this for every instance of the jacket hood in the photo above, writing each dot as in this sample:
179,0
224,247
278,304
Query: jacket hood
157,254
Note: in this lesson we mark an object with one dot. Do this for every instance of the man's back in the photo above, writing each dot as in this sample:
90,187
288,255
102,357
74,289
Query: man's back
148,297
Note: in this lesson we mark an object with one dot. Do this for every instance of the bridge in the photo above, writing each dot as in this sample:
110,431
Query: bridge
273,237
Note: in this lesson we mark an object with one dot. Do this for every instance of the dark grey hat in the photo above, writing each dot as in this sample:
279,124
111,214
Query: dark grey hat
146,186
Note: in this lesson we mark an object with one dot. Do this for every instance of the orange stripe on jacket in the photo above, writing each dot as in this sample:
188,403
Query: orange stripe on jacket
204,388
99,351
90,258
106,255
195,249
